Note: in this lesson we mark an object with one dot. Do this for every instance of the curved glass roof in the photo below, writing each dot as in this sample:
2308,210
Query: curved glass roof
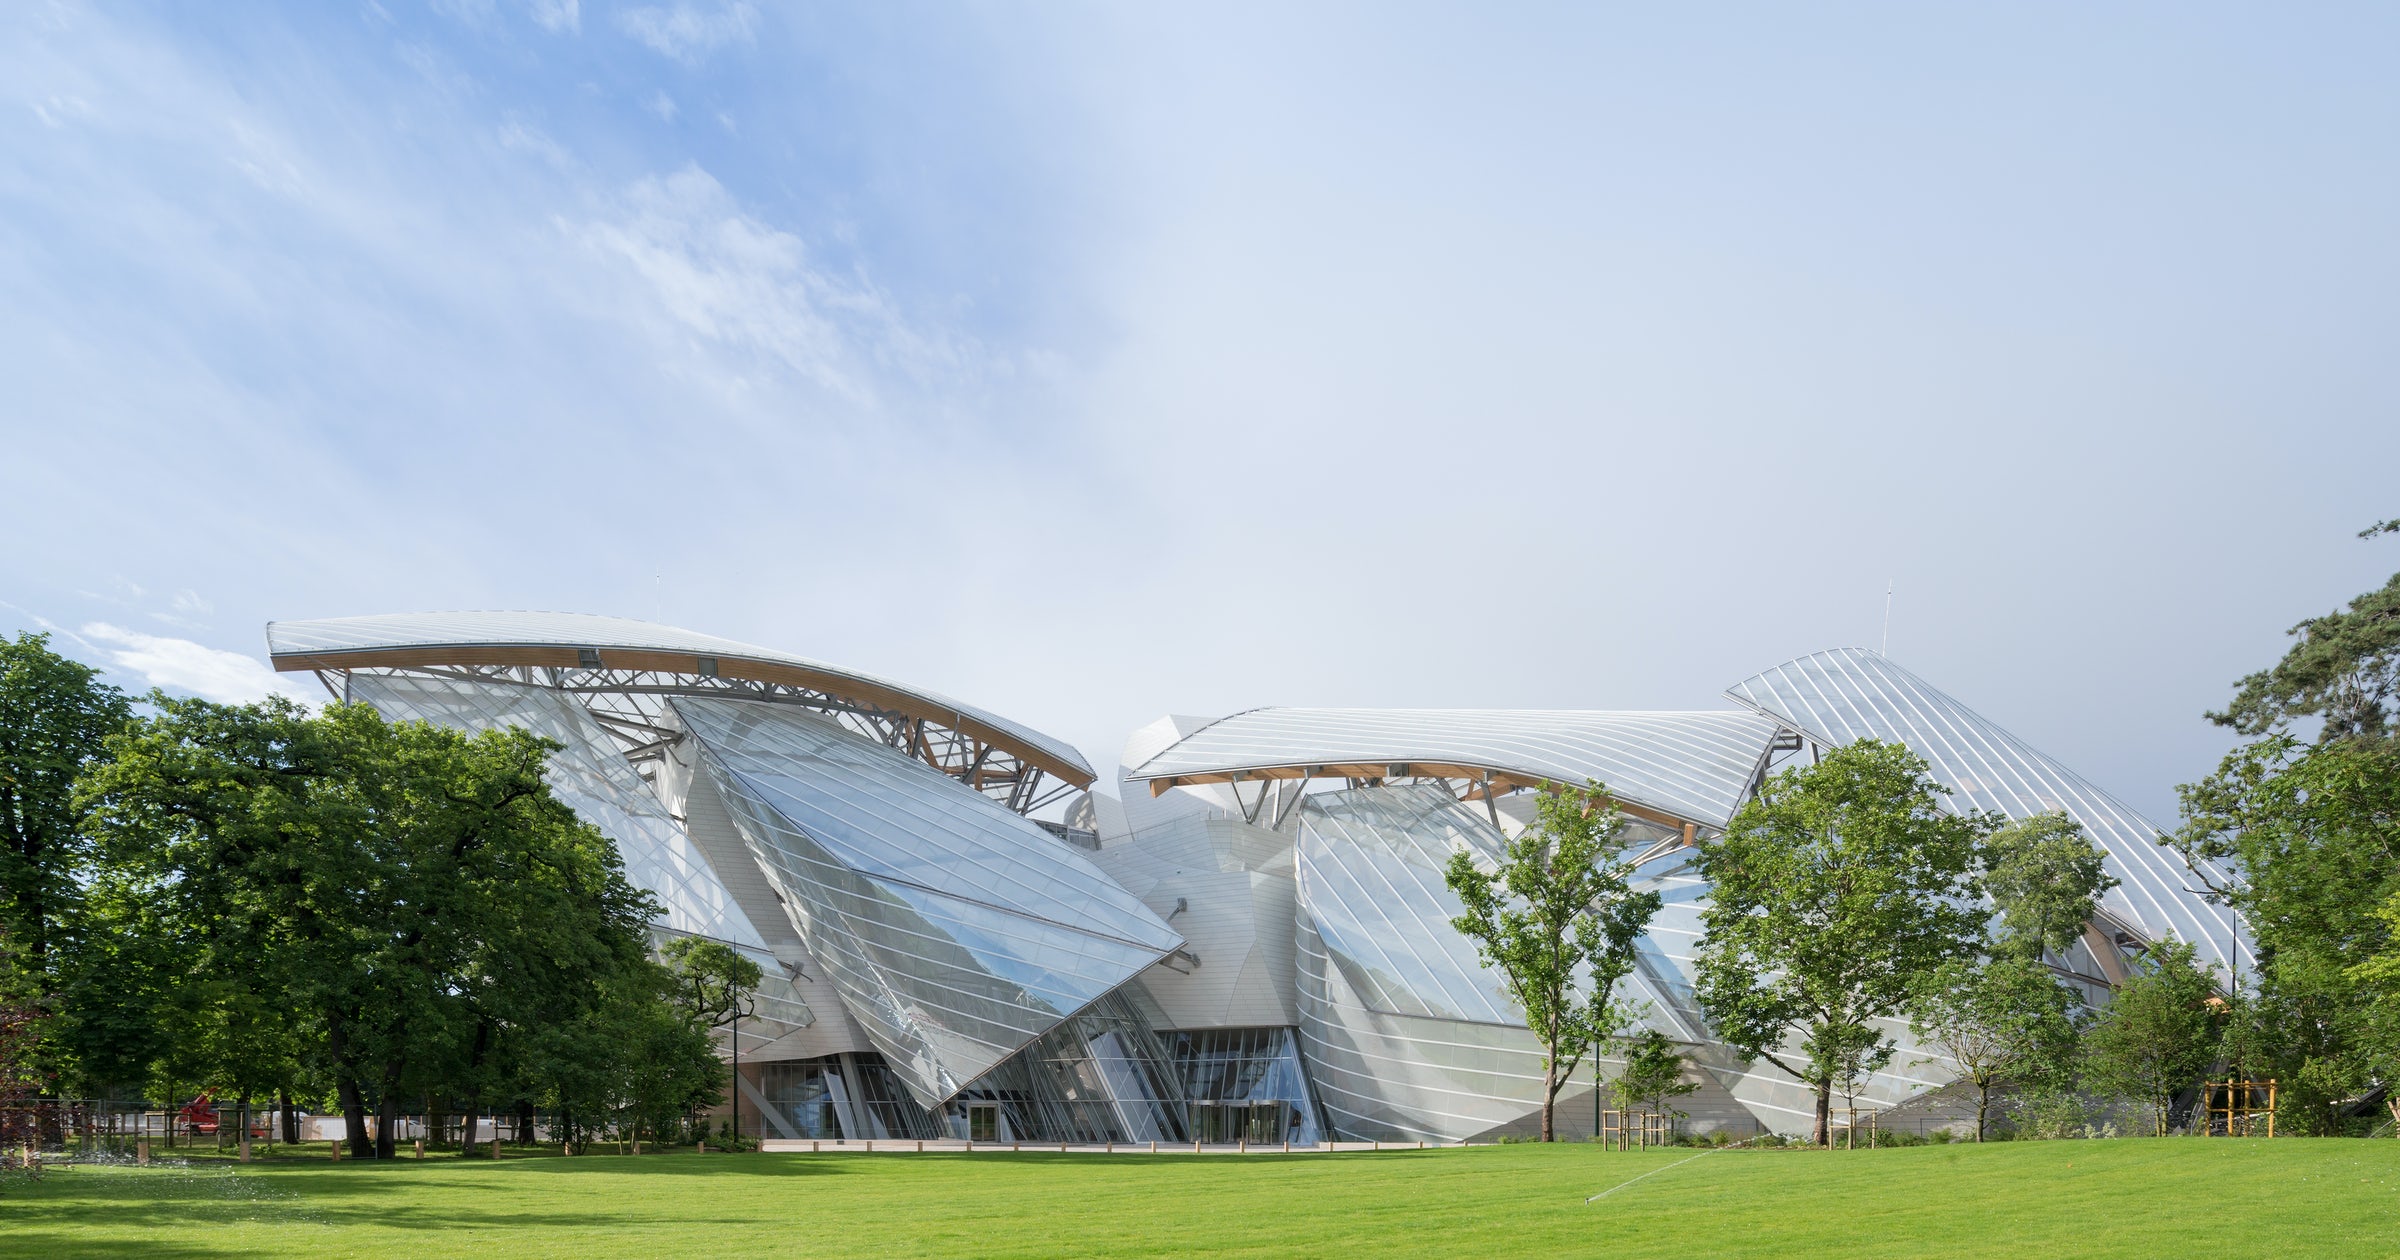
453,637
1847,694
1691,766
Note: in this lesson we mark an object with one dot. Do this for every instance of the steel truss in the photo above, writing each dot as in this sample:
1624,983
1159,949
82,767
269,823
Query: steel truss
631,705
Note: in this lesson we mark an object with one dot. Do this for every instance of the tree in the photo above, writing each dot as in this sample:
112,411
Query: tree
1557,918
54,716
710,983
1832,893
2379,1023
709,979
2157,1035
2299,838
2006,1021
21,1018
1653,1072
406,886
2345,668
2046,877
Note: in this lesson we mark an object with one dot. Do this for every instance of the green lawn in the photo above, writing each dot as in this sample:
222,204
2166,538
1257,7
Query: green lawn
2179,1198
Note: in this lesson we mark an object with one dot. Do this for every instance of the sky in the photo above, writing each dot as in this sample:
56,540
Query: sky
1094,362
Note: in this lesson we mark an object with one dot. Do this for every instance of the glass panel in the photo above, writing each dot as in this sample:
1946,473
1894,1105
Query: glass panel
956,932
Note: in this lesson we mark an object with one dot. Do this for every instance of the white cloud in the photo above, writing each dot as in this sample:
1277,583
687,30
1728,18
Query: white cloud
182,665
558,15
687,32
747,286
662,105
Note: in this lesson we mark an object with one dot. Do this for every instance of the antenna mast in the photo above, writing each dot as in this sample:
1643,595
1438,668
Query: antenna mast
1886,649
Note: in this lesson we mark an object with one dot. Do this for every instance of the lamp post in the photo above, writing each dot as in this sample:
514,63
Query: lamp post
742,1004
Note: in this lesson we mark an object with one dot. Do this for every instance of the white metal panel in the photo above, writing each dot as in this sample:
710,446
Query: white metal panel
1695,766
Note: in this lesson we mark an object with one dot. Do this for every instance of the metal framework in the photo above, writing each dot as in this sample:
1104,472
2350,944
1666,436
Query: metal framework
1286,784
630,704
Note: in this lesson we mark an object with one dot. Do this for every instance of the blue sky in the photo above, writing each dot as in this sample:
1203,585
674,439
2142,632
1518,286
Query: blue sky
1094,362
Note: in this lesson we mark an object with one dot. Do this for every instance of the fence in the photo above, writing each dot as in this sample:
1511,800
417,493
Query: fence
102,1127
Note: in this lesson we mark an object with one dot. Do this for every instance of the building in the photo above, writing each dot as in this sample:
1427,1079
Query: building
1247,940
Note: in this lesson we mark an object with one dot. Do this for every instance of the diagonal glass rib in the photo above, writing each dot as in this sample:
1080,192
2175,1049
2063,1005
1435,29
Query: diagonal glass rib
1844,695
591,777
956,931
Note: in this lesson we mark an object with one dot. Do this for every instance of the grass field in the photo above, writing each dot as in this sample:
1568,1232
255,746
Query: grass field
2180,1198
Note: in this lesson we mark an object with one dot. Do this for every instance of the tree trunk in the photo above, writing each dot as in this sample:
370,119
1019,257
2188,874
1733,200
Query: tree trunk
387,1110
466,1130
1549,1097
354,1115
345,1083
1824,1133
1983,1107
291,1121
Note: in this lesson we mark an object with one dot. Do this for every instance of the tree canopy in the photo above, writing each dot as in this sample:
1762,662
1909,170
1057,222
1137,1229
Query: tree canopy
414,893
1558,919
2046,878
2344,668
1832,893
55,716
2004,1021
2157,1034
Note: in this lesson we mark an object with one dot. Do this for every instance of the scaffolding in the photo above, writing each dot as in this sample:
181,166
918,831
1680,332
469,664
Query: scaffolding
2232,1108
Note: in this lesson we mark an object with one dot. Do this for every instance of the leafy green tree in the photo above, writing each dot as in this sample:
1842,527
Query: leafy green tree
395,882
21,1077
2377,1026
710,982
2046,877
708,979
2345,668
2006,1021
1653,1073
54,716
1832,894
1558,920
2157,1035
2299,838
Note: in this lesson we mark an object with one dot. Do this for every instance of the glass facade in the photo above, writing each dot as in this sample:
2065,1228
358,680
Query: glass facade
1101,1076
1408,1036
984,975
956,932
1246,1085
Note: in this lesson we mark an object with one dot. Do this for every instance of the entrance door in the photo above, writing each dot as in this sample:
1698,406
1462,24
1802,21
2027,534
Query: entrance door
983,1122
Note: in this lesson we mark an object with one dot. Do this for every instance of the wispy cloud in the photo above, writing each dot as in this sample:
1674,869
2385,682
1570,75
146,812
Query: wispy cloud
182,665
689,32
557,16
744,285
662,105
